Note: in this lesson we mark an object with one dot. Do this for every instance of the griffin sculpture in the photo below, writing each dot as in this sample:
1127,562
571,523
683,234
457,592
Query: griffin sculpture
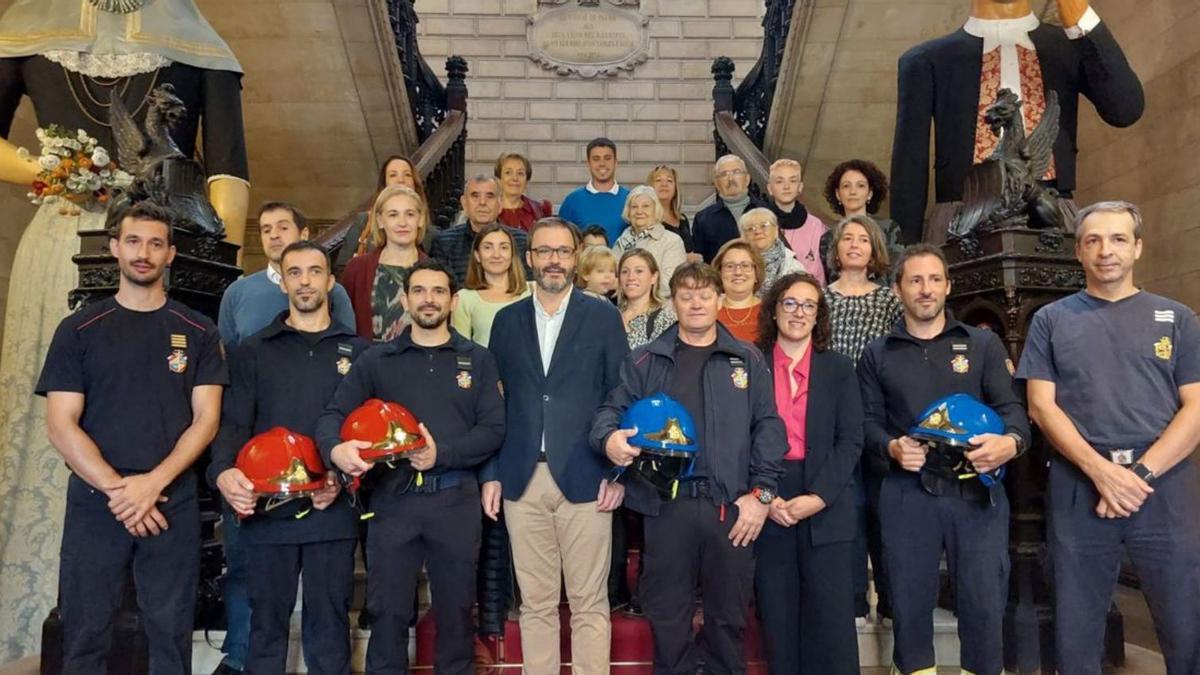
160,171
1005,189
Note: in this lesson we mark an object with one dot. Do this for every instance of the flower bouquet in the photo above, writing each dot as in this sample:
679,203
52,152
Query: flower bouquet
75,169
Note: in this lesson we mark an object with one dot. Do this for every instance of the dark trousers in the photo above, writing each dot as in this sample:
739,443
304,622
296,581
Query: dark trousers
97,551
1163,542
494,579
328,572
873,485
441,531
917,526
691,547
234,592
805,595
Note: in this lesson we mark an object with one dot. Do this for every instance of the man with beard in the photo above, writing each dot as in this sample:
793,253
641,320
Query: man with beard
284,376
451,385
560,353
926,357
133,396
249,305
717,223
253,302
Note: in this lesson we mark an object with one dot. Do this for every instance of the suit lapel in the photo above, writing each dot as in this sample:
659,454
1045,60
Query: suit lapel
534,350
571,324
816,373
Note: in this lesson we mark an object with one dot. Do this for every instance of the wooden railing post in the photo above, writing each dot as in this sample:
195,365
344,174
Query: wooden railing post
722,70
456,83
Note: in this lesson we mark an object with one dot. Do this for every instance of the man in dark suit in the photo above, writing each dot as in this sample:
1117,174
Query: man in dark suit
954,78
559,353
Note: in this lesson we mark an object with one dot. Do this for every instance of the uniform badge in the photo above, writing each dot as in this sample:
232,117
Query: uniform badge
178,341
343,365
464,379
960,364
740,379
1162,348
177,361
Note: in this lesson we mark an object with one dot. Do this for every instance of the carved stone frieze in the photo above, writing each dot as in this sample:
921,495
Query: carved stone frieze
589,39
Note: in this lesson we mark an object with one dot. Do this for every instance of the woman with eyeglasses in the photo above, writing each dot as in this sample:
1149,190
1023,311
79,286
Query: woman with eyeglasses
803,577
742,270
760,228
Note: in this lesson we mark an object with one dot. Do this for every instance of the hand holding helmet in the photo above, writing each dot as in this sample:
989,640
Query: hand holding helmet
991,452
618,449
237,490
908,452
280,469
657,441
965,439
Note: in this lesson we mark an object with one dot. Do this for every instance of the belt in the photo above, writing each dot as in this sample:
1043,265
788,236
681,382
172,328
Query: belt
695,489
431,484
1122,456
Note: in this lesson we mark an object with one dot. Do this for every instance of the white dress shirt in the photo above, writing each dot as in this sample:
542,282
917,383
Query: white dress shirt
549,327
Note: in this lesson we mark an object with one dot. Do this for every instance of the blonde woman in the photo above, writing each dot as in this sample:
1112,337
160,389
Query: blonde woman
375,280
665,182
495,280
646,231
643,311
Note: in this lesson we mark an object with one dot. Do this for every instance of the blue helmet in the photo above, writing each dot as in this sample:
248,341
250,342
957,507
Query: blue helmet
664,427
954,419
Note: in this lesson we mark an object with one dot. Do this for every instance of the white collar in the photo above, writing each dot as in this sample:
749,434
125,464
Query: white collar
273,276
997,32
562,307
614,190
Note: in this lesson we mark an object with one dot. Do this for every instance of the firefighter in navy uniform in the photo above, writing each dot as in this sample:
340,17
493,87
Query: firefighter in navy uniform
133,392
426,505
1113,375
284,376
928,503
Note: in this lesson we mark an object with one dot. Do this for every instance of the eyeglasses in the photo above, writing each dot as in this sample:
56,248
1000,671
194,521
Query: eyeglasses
546,253
790,305
758,227
737,267
732,173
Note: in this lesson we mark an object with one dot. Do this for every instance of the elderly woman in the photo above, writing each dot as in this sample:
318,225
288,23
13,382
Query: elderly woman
646,231
742,270
863,307
760,228
395,170
513,171
803,574
857,187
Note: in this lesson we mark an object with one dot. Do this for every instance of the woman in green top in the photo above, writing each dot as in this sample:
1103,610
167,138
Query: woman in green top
495,280
375,280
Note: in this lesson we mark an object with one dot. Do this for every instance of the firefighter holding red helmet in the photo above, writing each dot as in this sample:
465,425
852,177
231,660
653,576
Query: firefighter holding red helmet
421,413
291,515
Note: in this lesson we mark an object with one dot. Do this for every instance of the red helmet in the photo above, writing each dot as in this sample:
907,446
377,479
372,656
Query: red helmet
282,464
390,428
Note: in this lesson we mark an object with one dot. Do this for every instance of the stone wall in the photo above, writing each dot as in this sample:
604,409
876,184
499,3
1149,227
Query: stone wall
660,113
1153,163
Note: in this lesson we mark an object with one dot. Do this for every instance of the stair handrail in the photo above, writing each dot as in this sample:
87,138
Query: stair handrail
730,137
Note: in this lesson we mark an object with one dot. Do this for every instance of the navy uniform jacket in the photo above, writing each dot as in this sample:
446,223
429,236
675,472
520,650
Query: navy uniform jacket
559,403
282,378
451,388
900,376
939,80
833,436
743,439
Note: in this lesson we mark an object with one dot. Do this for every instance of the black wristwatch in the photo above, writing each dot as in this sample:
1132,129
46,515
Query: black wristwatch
1142,472
764,495
1020,443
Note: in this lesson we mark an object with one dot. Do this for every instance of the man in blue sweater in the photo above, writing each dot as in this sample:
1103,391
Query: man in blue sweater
601,200
251,303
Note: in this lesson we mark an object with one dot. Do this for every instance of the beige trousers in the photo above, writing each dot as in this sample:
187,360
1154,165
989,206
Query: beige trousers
553,539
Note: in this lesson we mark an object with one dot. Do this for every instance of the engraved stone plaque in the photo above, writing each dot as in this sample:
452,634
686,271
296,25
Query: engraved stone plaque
588,39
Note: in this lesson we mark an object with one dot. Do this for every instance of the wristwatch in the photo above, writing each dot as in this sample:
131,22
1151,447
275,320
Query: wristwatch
1020,443
764,495
1142,472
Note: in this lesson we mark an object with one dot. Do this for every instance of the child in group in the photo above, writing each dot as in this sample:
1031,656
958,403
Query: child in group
594,235
597,273
801,231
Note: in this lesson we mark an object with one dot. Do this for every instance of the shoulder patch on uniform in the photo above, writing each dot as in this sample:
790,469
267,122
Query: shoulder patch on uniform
345,349
1164,315
960,346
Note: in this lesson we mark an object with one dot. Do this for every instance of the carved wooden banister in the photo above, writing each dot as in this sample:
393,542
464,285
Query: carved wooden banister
439,161
730,137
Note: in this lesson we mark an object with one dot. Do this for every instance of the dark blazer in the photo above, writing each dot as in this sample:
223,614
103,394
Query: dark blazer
585,365
714,225
834,437
939,80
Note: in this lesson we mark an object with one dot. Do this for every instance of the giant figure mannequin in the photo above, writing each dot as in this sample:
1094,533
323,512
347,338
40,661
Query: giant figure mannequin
953,79
69,56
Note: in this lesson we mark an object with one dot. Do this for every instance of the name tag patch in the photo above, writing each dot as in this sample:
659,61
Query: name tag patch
1164,315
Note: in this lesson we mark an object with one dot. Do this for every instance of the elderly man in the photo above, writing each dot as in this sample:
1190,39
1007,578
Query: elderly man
481,204
718,222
